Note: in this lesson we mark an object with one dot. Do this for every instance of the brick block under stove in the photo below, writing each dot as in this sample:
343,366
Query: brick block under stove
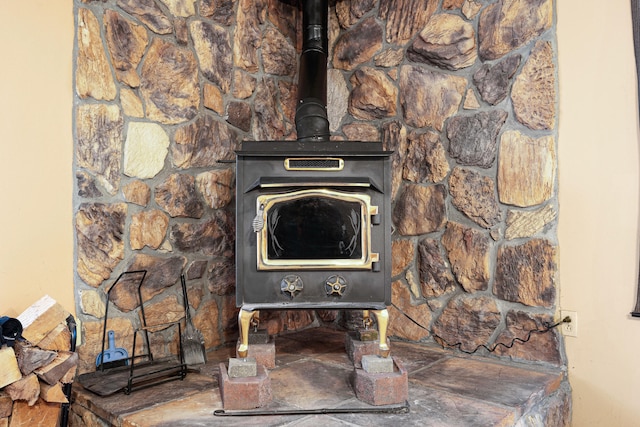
244,392
382,388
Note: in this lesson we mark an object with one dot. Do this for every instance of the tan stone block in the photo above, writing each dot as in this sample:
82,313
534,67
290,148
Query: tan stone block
373,95
509,25
467,321
99,143
243,84
358,45
419,210
528,223
131,103
126,42
399,324
403,253
148,13
526,169
181,8
428,97
148,228
213,47
137,192
212,98
436,278
399,29
163,312
534,90
247,37
170,85
145,149
468,250
99,231
93,73
447,41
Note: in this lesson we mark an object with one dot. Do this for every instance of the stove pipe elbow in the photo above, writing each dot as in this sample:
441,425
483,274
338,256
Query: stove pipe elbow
312,123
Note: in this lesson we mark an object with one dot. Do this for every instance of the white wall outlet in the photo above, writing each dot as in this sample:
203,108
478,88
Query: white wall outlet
569,329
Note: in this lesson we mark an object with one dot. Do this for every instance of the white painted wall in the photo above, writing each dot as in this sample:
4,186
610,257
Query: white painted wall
36,177
598,228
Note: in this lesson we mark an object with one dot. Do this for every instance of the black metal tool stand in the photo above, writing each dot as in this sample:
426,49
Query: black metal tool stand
142,370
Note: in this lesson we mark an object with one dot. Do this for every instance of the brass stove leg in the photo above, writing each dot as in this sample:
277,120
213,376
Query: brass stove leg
244,319
366,319
382,316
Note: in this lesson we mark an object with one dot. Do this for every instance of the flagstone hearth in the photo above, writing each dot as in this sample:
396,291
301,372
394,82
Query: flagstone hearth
312,372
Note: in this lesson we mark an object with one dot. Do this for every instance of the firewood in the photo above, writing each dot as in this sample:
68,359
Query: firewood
58,339
27,388
41,318
10,372
31,358
52,393
4,422
5,404
42,414
69,376
54,371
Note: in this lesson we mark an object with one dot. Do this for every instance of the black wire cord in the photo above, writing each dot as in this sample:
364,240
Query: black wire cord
547,326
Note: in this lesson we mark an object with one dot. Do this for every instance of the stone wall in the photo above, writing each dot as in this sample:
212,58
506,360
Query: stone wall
464,92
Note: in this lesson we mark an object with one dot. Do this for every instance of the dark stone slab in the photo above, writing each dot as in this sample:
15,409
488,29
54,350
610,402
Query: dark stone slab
473,138
506,385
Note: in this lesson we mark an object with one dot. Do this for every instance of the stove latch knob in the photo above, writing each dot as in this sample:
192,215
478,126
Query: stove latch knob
335,285
291,284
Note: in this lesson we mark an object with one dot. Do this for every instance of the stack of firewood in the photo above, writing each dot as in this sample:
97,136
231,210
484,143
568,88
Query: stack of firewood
33,372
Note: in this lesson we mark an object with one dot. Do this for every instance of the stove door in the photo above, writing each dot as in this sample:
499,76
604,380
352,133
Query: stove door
314,229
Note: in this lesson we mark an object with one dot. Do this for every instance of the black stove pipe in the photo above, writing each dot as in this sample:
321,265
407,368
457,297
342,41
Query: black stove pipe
312,123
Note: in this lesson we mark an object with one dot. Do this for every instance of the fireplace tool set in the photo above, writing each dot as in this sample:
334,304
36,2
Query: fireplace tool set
117,371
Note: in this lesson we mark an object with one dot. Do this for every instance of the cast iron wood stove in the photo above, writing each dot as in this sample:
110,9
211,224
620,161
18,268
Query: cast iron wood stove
313,222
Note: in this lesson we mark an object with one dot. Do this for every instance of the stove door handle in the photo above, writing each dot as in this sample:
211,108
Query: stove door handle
258,220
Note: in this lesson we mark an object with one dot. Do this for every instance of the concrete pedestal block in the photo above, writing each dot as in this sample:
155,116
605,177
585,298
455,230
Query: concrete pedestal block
264,353
382,388
377,365
356,348
244,392
241,368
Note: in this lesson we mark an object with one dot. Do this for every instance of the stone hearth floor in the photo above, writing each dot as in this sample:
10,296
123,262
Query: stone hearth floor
313,372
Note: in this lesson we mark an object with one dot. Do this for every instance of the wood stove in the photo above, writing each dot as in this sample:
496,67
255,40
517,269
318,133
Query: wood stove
313,220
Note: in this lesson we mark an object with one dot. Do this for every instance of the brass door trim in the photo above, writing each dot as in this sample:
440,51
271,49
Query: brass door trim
266,201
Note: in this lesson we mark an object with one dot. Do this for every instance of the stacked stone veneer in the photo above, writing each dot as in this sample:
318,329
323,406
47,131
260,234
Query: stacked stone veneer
464,92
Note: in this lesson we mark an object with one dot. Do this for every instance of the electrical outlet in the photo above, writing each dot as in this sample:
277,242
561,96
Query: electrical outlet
569,329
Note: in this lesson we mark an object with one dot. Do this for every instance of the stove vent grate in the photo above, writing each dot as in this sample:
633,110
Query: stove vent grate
314,163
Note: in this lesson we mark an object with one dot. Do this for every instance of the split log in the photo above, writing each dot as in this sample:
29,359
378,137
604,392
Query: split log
54,371
31,358
59,339
10,371
69,376
4,422
5,405
52,393
41,318
27,389
42,414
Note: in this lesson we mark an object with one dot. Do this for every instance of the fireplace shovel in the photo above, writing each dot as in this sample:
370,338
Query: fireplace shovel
192,339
